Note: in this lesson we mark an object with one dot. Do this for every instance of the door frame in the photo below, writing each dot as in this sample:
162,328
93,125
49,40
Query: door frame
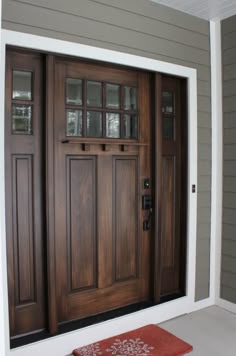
151,315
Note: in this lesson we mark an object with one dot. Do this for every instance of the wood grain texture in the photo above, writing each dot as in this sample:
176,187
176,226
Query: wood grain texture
125,178
81,222
168,211
23,229
109,264
174,194
49,191
157,167
24,206
98,256
104,221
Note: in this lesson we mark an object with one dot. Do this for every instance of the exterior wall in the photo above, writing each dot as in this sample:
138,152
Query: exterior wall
228,272
146,29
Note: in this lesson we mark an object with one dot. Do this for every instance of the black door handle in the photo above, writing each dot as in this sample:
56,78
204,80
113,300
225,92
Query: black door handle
147,222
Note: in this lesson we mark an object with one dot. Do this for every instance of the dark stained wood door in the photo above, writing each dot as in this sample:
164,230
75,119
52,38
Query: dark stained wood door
24,172
80,153
102,156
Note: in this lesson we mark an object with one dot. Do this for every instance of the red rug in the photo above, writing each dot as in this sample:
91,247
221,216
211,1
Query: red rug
149,340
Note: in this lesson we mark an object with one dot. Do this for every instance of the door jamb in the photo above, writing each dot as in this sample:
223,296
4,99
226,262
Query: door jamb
158,179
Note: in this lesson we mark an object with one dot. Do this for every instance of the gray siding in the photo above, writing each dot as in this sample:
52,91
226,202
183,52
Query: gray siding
228,273
143,28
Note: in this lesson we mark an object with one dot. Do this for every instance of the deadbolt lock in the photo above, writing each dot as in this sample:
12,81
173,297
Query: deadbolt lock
147,202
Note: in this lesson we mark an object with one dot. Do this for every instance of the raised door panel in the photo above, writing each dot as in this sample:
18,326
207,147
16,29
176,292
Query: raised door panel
81,222
169,240
168,211
125,221
24,238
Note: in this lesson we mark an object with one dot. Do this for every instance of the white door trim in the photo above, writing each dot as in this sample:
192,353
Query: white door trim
217,160
224,304
63,344
4,321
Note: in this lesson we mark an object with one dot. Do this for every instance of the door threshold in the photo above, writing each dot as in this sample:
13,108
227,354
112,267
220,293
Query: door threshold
79,324
170,297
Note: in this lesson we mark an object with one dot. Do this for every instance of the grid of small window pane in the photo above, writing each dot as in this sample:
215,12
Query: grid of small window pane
101,110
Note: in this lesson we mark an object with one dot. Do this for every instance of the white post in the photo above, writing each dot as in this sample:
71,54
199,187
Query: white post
217,159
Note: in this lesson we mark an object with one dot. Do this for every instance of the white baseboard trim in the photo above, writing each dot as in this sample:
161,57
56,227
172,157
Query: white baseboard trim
205,303
224,304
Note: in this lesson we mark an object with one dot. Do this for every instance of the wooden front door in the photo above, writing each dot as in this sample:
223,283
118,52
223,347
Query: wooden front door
96,183
102,157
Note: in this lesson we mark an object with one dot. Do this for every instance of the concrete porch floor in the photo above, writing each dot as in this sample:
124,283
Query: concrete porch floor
211,331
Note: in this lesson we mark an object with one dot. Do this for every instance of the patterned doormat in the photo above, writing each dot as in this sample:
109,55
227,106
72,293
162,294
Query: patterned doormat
149,340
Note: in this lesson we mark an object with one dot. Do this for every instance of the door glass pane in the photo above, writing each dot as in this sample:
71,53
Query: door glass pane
113,125
74,122
94,94
130,126
94,124
168,127
168,102
22,85
22,119
130,98
113,96
74,91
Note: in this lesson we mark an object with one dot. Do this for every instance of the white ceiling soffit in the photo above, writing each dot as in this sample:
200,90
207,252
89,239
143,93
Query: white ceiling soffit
206,9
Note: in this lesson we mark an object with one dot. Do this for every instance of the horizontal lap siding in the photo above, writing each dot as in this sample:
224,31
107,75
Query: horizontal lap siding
140,28
228,273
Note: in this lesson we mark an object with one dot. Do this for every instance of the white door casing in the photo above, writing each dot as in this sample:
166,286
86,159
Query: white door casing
63,344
